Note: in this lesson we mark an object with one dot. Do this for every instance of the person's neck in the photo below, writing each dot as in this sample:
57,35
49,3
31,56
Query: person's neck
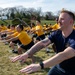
67,32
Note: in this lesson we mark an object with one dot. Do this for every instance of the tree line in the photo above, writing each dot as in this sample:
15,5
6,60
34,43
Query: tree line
30,13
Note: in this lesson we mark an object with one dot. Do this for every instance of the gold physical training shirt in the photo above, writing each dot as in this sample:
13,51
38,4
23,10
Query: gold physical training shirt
39,30
24,38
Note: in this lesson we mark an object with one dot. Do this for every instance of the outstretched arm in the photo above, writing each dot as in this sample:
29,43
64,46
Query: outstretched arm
11,39
58,58
61,56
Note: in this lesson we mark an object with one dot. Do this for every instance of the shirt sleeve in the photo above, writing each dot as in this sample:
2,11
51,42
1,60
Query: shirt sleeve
73,45
51,37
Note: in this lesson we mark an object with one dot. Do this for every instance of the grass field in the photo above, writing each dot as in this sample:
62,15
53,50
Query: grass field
9,68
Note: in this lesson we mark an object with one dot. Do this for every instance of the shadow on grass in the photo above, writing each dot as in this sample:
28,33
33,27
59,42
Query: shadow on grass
41,72
29,61
47,70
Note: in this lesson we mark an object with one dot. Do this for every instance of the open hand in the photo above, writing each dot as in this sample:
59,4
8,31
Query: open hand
21,57
31,68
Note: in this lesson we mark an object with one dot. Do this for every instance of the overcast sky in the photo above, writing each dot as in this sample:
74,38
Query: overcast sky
45,5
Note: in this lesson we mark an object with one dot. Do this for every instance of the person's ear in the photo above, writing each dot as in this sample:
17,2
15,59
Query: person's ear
71,21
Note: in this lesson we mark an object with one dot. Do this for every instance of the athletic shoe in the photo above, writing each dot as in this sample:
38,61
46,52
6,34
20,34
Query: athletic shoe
15,51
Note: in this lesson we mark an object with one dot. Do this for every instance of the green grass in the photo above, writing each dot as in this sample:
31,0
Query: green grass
48,22
9,68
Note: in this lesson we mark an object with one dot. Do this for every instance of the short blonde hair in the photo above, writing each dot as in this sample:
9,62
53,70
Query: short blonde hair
71,14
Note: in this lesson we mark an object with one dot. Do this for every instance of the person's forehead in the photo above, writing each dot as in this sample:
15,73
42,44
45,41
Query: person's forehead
64,15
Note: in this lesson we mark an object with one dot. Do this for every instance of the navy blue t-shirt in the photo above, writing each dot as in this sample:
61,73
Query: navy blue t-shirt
61,44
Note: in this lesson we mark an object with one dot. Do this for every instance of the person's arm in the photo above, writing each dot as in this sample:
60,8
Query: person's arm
8,37
3,31
58,58
38,46
61,56
9,32
11,39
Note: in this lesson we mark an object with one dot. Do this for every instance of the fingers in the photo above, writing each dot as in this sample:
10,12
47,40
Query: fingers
29,69
19,57
14,59
26,70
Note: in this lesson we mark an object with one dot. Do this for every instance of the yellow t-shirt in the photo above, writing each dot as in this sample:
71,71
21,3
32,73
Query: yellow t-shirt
33,30
44,27
40,30
74,27
55,27
3,28
24,38
15,34
27,28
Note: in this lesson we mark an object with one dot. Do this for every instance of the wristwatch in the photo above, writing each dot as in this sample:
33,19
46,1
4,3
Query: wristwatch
42,65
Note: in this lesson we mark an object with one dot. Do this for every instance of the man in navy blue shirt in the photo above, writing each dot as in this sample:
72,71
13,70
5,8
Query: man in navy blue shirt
64,39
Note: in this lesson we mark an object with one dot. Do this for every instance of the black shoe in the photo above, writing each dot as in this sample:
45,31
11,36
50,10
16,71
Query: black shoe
15,51
47,51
